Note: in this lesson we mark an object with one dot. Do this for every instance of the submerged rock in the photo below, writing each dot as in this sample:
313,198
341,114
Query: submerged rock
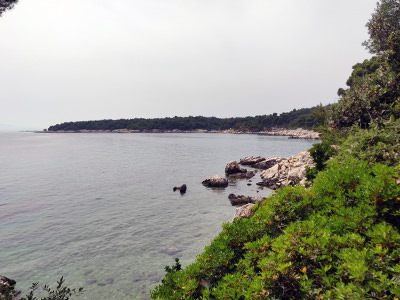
170,250
215,181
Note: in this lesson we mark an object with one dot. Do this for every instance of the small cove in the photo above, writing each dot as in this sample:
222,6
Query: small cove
99,209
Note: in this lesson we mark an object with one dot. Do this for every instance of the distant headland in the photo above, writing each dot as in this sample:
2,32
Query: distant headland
286,124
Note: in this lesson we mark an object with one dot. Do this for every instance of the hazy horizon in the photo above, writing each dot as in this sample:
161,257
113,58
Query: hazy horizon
73,61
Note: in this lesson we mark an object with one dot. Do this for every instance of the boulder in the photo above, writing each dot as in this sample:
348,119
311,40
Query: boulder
233,167
215,181
241,199
250,160
245,211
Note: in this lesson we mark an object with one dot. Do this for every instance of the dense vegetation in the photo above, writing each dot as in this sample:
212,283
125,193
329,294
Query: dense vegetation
6,4
305,118
338,239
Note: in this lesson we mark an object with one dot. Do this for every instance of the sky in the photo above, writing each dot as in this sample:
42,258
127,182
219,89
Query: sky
70,60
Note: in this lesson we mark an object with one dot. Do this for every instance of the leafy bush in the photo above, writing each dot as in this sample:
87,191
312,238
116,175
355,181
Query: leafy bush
320,153
381,143
61,292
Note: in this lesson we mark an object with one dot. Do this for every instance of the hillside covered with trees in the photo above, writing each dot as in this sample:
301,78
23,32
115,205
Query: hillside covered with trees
305,118
340,238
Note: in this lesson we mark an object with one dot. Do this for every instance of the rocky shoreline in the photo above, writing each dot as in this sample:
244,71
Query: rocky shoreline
298,133
276,172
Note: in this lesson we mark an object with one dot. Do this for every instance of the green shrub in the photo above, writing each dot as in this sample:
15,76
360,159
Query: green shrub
381,143
61,292
320,153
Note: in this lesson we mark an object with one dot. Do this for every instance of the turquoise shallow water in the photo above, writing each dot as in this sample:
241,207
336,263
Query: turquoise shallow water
99,209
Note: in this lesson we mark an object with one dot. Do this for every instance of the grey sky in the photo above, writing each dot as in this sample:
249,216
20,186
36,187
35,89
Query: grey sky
70,60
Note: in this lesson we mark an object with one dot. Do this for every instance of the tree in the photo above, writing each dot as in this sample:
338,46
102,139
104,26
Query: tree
6,4
374,85
384,21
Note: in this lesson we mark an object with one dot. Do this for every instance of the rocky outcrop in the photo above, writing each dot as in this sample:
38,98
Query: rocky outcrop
250,160
215,181
289,171
6,286
233,167
233,170
260,162
268,162
181,188
298,133
245,211
246,175
241,199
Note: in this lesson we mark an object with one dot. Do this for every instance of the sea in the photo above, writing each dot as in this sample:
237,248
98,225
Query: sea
99,208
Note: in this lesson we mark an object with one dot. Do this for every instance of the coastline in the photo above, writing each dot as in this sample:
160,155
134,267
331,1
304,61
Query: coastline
298,133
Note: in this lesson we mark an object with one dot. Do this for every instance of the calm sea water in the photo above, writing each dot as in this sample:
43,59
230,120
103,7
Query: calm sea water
99,209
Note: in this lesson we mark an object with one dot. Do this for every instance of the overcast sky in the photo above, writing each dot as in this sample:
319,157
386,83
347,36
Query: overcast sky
70,60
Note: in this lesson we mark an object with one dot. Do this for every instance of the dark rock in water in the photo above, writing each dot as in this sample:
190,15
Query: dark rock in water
250,160
6,286
5,281
246,175
233,167
241,199
181,188
215,181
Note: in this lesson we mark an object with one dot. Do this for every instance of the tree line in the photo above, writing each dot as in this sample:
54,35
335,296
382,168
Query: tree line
305,118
